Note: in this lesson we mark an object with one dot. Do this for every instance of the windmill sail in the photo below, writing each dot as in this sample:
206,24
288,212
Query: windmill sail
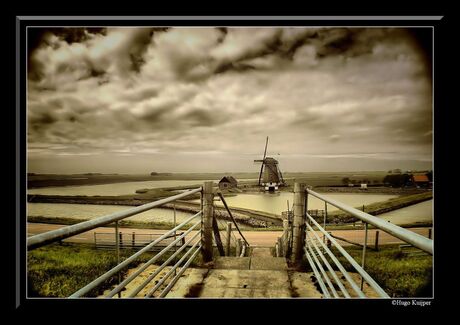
270,175
262,161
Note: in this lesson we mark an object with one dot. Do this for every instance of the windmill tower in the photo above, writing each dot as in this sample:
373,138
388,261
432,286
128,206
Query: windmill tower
272,176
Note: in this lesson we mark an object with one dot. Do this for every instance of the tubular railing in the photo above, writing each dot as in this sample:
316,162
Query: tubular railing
319,254
65,232
405,235
312,251
194,246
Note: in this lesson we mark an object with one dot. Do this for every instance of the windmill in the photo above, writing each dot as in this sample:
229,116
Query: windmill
272,176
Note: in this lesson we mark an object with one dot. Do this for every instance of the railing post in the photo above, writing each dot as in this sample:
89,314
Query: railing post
174,238
229,233
377,240
298,230
238,247
286,236
280,245
117,243
363,259
207,202
324,222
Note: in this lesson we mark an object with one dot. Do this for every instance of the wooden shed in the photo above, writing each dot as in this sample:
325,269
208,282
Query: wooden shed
228,182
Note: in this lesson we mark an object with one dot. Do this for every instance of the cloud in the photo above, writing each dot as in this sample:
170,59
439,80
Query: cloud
145,91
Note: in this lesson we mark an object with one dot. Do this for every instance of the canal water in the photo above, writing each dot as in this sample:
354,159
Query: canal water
267,202
420,212
90,211
277,203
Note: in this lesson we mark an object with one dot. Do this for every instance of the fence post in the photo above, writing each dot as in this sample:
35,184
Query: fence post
324,222
280,245
363,259
207,202
133,240
429,233
238,247
117,242
377,240
286,236
229,233
298,231
174,238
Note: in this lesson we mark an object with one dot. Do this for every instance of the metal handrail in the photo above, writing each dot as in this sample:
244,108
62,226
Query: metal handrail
178,275
160,268
323,272
408,236
69,231
331,270
339,265
182,270
126,262
317,275
123,284
350,259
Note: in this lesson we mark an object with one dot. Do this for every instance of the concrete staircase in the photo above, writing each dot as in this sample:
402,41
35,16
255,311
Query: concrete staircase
258,276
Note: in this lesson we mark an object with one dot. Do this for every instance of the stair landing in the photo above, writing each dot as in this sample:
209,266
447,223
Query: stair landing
258,276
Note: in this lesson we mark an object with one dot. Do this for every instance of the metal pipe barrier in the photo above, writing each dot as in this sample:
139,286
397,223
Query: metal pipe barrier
95,283
69,231
408,236
153,260
347,256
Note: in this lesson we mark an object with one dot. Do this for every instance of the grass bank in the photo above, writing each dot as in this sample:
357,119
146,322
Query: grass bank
122,223
59,271
381,207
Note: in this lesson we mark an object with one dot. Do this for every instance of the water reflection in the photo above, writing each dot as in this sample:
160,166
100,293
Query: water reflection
277,202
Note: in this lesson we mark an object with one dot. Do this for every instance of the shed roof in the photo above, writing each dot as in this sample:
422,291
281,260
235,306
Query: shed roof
229,179
421,178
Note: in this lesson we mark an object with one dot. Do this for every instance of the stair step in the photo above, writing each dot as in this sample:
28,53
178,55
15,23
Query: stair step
246,284
232,263
268,263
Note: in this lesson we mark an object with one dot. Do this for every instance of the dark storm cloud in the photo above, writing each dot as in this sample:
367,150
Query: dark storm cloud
203,117
157,113
317,92
38,37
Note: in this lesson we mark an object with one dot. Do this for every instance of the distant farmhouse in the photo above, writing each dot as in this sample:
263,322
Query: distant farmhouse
228,182
409,179
421,180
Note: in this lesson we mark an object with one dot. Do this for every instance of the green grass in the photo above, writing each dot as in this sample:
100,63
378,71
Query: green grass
59,271
398,274
123,223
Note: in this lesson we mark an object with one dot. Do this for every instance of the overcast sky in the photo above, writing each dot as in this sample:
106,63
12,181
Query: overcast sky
135,100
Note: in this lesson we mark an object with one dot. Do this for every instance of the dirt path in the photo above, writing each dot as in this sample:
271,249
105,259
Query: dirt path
255,238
